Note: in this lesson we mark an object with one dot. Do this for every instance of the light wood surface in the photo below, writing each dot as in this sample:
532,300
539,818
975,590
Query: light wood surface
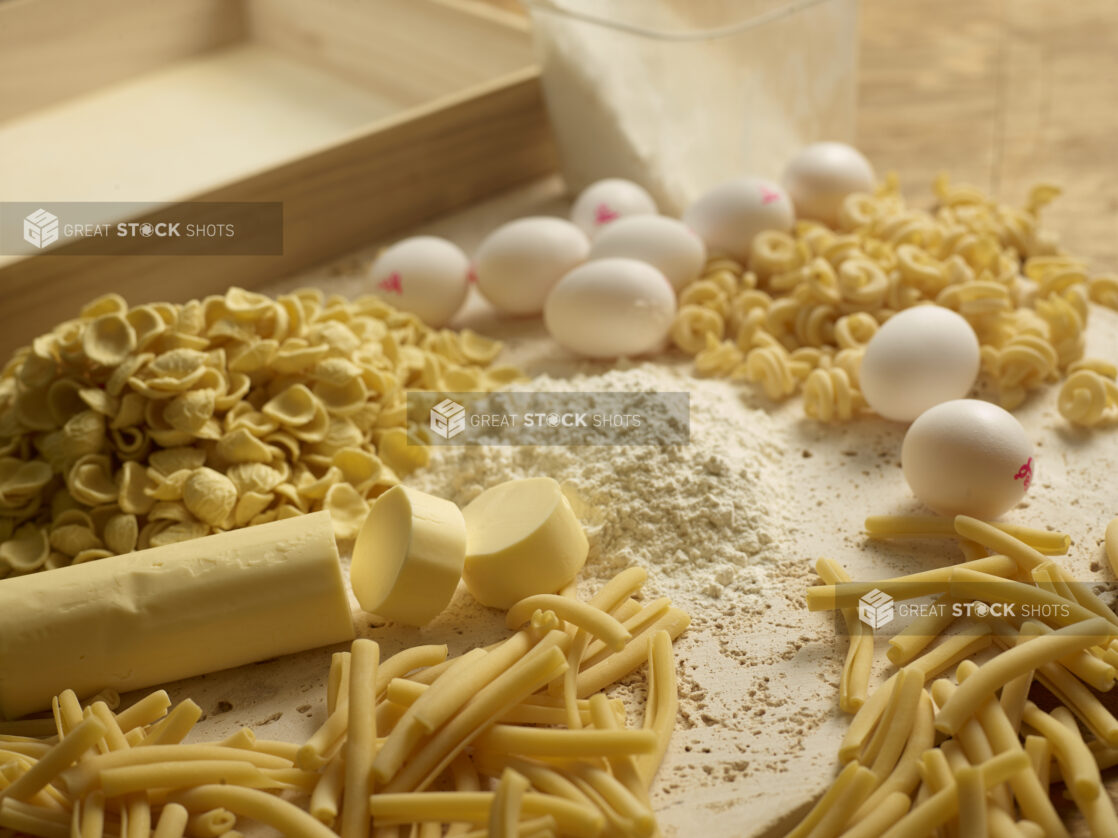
1000,93
54,50
361,118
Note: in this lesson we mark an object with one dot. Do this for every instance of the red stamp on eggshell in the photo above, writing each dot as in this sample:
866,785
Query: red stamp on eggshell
604,214
392,283
769,195
1025,473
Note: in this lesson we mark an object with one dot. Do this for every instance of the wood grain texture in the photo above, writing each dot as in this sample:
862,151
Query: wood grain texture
422,164
53,50
363,119
1002,94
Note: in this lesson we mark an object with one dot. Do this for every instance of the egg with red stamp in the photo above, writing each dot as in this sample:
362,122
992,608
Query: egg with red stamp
519,263
610,308
666,244
605,201
968,457
822,175
425,275
728,216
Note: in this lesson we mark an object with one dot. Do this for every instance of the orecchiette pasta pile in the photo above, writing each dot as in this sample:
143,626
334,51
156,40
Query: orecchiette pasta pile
798,316
131,428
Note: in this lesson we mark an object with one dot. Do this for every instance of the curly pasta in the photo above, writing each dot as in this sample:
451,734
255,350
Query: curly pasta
1089,395
829,289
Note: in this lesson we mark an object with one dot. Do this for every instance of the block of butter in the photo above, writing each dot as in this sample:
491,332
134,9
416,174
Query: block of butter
171,612
407,559
522,538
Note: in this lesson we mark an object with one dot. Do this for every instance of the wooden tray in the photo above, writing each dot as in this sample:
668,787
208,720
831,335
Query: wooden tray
363,118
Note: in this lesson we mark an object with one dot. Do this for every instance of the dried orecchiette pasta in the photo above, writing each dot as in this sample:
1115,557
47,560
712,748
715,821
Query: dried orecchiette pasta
126,428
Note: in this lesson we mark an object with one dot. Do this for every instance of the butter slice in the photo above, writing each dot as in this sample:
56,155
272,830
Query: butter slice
171,612
408,556
522,538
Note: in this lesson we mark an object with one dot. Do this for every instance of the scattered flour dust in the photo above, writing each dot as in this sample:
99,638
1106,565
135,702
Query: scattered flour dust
705,519
715,524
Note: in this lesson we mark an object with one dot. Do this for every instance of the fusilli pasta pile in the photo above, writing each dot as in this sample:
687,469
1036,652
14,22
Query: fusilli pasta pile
798,316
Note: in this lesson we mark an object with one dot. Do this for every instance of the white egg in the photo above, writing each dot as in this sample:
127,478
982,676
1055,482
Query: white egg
605,201
968,457
520,262
731,214
920,357
820,177
611,307
670,246
425,275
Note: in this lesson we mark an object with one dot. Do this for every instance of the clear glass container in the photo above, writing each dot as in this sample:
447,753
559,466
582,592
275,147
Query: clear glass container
679,95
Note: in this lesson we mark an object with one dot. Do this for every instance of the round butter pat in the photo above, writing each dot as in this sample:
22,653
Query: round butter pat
408,556
522,538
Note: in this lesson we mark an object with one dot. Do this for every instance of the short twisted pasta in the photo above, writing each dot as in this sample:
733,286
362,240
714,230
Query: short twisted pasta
692,325
770,366
1085,398
830,396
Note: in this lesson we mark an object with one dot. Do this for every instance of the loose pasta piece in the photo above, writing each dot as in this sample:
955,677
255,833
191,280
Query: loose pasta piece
663,703
923,526
172,821
951,651
504,812
854,684
624,767
440,701
883,815
337,683
279,814
884,749
1012,663
906,775
408,660
618,589
830,814
174,727
567,744
971,802
1031,795
13,816
148,710
1112,544
75,743
328,792
908,643
572,818
968,584
865,720
1077,766
361,735
520,680
847,594
944,804
596,677
635,623
585,616
86,776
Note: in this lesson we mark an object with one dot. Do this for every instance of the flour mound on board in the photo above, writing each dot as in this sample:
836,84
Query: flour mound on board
703,518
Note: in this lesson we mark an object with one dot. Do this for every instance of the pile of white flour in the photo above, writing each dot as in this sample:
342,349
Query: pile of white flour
704,519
